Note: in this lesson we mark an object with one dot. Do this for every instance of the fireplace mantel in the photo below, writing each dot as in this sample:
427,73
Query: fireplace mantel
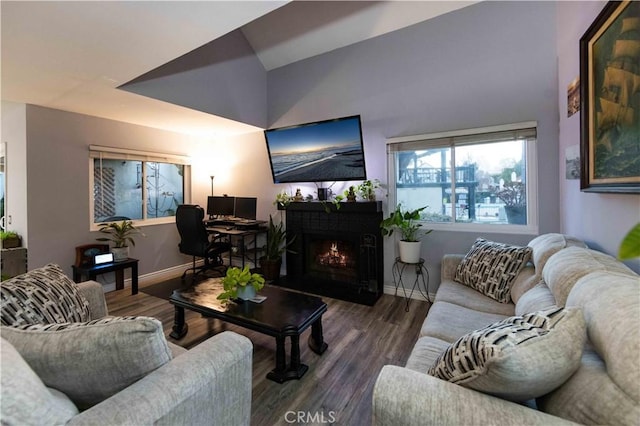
355,222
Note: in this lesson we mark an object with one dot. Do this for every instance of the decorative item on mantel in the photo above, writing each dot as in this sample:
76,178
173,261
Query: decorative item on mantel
121,234
367,189
10,239
350,194
241,284
405,222
298,196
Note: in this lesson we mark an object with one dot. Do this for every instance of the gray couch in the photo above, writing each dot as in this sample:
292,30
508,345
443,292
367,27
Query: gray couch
605,388
209,384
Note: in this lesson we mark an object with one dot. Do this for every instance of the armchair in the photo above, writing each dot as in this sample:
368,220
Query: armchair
195,240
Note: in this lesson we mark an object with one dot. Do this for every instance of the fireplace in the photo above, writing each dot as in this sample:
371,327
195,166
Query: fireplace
336,254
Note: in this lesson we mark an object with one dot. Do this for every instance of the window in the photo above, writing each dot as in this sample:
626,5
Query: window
468,179
143,187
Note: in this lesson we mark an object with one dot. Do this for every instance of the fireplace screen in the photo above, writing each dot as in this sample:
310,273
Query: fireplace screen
332,259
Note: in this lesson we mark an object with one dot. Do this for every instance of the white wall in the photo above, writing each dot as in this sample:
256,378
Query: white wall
600,219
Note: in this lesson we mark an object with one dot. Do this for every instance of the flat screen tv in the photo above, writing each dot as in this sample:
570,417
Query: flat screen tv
329,150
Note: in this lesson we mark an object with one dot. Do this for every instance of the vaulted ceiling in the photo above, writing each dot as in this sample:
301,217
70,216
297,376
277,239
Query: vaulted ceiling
73,55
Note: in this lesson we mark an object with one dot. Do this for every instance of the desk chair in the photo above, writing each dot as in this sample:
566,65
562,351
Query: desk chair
194,240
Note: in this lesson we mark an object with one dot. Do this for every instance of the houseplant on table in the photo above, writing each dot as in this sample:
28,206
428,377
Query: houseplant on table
406,222
241,284
276,245
121,234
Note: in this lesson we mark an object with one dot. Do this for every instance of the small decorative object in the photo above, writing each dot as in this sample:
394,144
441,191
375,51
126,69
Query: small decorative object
241,284
350,194
121,234
609,121
298,196
405,222
283,199
514,197
276,245
322,194
10,239
367,189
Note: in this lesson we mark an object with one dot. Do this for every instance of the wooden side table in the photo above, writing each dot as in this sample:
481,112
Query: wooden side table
92,271
421,271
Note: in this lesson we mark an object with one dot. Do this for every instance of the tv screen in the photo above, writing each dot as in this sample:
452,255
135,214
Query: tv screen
330,150
220,205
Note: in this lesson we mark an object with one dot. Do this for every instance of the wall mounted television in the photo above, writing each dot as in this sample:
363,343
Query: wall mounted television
322,151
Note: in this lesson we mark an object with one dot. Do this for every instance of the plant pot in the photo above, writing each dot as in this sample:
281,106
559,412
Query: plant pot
120,253
12,242
516,215
246,292
270,268
409,251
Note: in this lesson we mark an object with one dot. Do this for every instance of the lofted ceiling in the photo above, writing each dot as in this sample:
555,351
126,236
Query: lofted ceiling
72,56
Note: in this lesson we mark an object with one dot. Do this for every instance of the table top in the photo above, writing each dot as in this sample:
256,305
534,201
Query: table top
283,312
109,265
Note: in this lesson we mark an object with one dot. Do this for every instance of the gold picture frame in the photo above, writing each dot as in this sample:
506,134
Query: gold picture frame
610,100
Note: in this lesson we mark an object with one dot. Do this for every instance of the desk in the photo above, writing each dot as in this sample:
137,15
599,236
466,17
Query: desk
398,269
241,234
91,271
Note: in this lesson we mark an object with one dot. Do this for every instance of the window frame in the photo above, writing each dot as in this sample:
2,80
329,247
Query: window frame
111,153
531,176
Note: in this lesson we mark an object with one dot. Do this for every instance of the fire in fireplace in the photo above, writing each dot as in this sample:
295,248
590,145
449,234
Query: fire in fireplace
331,258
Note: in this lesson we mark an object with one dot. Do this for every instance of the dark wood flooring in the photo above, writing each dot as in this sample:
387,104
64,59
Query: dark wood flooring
339,383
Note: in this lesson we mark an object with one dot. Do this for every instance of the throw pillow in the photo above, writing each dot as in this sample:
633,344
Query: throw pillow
518,358
91,361
491,268
42,296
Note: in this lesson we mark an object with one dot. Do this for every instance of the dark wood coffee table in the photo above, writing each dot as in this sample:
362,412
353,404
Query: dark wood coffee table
284,314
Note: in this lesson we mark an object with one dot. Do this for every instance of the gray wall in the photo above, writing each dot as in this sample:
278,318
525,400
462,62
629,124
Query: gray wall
601,220
488,64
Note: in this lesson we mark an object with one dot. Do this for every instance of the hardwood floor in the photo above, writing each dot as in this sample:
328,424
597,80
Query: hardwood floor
338,387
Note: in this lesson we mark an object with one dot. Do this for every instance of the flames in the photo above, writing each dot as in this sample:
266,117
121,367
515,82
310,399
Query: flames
333,257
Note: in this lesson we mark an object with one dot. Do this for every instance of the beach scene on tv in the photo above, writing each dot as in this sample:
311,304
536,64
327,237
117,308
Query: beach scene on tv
324,151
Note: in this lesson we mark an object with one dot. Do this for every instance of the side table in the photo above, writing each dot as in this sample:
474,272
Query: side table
91,271
421,271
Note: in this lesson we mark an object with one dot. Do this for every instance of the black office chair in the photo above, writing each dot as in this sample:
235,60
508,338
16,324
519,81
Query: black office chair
195,240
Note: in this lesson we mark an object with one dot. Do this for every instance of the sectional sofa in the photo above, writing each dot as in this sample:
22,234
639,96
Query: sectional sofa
562,347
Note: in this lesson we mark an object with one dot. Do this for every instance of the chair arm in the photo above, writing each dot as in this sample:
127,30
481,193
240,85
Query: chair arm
210,383
406,397
94,293
449,264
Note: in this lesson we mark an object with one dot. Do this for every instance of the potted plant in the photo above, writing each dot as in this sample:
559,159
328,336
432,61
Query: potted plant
121,234
277,244
514,197
283,199
10,239
406,223
241,284
367,189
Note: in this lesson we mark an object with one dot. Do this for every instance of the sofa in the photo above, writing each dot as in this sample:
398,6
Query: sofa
584,369
66,361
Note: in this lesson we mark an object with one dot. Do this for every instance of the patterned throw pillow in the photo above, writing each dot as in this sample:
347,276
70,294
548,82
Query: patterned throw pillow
518,358
491,268
42,296
89,362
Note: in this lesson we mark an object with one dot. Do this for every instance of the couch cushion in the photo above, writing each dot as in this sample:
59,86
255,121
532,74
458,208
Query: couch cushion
518,358
25,399
567,266
425,353
546,245
42,296
491,268
92,361
536,299
459,294
448,322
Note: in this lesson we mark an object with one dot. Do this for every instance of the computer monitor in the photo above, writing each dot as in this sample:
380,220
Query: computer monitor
246,207
220,205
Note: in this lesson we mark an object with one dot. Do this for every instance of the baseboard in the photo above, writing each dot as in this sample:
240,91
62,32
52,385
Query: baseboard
391,289
151,277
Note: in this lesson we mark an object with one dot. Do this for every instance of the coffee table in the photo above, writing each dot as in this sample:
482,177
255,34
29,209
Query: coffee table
283,314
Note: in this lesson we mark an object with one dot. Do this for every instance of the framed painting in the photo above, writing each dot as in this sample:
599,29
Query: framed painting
610,100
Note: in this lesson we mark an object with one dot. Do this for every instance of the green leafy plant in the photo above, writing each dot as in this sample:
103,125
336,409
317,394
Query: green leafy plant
405,222
236,278
120,233
367,189
7,235
283,199
277,242
10,239
630,245
512,194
